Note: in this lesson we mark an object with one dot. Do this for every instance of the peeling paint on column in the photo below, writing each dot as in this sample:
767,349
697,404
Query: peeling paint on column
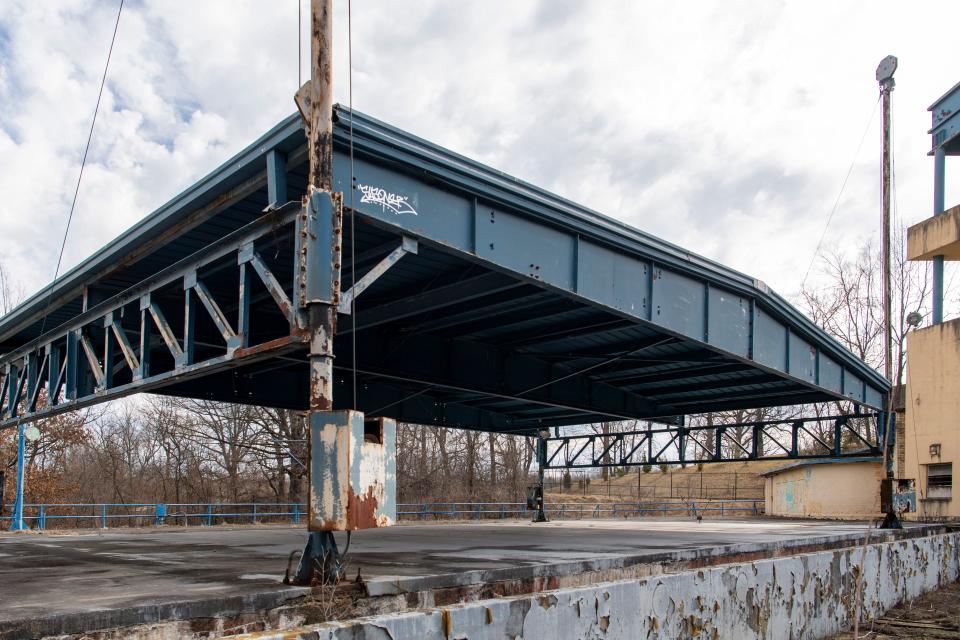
352,472
799,596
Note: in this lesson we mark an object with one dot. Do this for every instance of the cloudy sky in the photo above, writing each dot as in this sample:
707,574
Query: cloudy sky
726,127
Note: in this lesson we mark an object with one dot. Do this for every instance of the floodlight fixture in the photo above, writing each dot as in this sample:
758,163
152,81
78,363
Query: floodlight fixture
914,318
886,69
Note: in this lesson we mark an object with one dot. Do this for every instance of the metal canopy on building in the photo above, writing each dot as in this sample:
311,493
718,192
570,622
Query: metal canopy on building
498,305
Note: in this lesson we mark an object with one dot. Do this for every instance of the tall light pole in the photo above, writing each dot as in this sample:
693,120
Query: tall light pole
885,71
885,77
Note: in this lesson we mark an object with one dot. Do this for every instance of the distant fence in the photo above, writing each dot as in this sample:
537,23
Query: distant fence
657,485
103,516
568,510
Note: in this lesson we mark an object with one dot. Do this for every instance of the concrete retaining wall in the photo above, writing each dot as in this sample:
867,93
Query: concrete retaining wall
801,596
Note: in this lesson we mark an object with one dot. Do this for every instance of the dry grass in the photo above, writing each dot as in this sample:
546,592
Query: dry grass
935,615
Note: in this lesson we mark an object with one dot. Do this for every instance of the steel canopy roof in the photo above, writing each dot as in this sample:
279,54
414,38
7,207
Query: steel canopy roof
520,309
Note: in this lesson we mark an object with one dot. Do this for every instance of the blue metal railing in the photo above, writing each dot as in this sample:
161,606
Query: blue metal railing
487,510
104,515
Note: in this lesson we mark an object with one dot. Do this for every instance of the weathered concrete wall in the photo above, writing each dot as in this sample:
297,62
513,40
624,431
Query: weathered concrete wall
801,596
847,490
932,408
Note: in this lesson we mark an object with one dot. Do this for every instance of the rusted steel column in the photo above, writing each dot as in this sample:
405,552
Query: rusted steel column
321,95
322,278
321,236
886,86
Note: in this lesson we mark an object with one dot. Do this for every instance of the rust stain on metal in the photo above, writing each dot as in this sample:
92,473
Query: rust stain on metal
264,347
362,509
447,622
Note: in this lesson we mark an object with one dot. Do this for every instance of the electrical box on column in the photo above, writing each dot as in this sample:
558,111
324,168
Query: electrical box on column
352,471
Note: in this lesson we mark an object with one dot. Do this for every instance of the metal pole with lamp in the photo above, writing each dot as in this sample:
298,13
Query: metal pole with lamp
885,71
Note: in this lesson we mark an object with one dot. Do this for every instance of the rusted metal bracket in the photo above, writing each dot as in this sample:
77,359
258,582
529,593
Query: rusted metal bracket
408,245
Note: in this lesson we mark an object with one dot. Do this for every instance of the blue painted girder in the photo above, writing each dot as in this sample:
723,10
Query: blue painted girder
520,309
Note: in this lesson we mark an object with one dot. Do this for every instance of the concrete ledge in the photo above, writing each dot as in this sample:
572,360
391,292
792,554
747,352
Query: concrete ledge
211,583
936,236
200,612
806,595
452,587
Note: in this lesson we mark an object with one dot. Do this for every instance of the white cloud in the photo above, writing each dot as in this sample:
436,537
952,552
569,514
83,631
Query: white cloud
726,127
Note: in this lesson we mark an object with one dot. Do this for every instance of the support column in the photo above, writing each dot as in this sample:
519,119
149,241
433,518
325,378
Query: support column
18,524
537,495
939,166
318,281
352,468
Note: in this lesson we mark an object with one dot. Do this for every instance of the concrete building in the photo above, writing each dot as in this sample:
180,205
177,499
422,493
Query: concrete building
841,489
930,442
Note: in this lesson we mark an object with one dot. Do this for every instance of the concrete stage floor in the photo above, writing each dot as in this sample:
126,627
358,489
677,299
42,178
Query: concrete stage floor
119,577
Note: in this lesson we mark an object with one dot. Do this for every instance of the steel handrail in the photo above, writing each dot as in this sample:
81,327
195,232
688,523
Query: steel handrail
207,512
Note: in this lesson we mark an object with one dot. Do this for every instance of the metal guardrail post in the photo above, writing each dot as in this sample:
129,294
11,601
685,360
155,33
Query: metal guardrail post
42,517
209,514
254,521
103,516
160,513
296,514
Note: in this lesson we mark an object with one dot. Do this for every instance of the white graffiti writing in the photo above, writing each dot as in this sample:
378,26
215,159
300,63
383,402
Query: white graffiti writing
386,200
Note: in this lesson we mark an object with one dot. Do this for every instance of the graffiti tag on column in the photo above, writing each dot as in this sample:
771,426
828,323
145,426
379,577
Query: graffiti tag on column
387,201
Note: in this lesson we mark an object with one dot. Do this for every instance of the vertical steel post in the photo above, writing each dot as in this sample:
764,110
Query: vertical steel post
939,166
886,86
318,258
320,129
540,515
18,524
885,78
321,314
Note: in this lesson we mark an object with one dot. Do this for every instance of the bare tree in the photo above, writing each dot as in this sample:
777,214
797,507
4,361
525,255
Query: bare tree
849,305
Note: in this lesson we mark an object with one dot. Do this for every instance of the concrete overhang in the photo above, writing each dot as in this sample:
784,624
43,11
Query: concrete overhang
936,236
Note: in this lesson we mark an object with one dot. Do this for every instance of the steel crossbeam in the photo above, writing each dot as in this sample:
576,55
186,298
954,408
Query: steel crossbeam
851,436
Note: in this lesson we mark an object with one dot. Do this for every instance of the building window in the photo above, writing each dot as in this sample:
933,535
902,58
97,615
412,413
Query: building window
939,481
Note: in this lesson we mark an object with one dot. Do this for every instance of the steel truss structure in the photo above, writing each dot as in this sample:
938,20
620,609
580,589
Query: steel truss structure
480,302
141,340
792,438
